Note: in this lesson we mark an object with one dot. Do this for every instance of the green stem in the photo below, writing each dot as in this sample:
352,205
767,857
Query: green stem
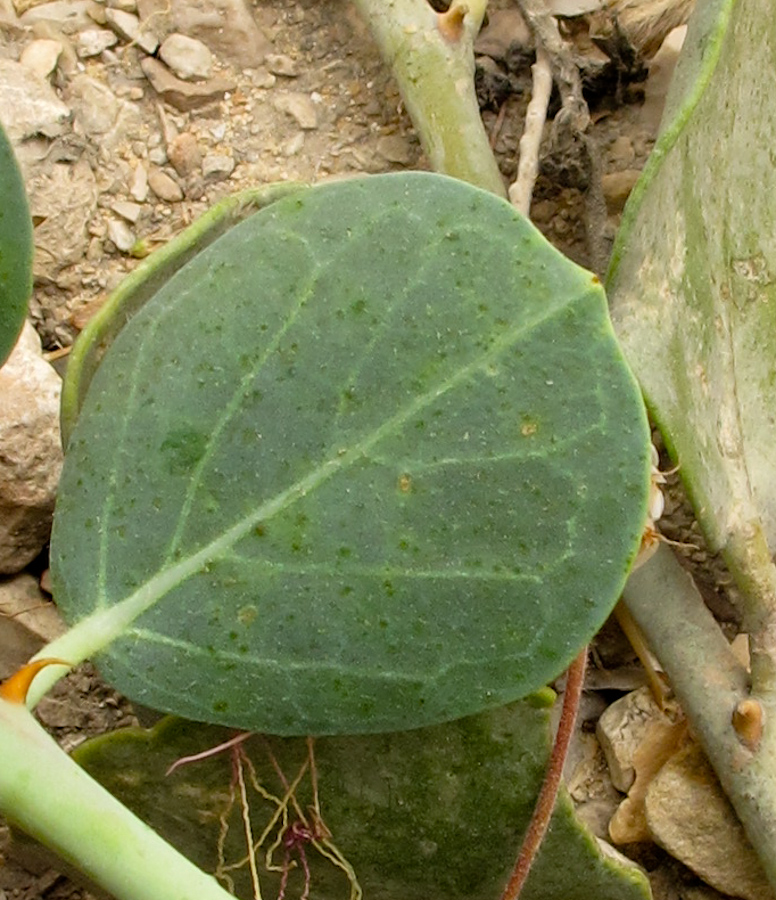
435,75
46,794
711,685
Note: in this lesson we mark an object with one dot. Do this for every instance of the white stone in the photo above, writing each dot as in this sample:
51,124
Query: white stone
94,41
29,105
95,107
121,235
30,452
125,209
217,167
188,58
138,188
127,25
69,16
41,56
300,107
227,27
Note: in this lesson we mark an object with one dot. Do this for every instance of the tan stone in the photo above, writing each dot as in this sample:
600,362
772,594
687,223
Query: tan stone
30,452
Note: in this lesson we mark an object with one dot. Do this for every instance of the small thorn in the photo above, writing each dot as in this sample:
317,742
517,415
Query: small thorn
748,723
450,23
14,689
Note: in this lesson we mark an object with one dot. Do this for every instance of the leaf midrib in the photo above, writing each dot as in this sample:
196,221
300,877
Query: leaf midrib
125,611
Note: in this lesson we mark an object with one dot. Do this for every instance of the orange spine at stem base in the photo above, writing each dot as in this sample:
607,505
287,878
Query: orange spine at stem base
14,689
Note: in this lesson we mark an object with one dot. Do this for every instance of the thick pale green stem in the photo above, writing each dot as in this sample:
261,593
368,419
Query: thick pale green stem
712,687
432,60
47,795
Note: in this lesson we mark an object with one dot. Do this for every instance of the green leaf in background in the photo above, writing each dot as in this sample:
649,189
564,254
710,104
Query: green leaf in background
370,461
694,293
15,249
432,814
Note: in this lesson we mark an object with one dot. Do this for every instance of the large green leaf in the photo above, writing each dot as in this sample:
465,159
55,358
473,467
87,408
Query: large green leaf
432,814
370,461
143,284
15,249
693,289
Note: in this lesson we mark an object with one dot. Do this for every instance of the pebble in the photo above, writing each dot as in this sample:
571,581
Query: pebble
217,167
689,816
227,27
164,186
127,26
138,189
616,187
94,41
280,64
188,58
28,620
621,152
506,27
95,107
70,16
395,149
30,452
41,56
127,210
121,235
183,95
30,106
300,107
184,154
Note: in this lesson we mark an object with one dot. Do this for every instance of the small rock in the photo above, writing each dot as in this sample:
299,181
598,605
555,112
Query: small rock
217,167
617,187
189,58
95,107
227,27
184,155
569,8
127,26
41,56
164,187
30,106
261,78
125,209
689,816
621,152
294,144
158,156
280,64
506,27
28,620
129,6
30,452
661,70
121,235
395,149
70,16
621,729
138,188
300,107
63,199
183,95
94,41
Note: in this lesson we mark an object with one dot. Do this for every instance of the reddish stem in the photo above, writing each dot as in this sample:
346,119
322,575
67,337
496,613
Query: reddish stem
545,802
